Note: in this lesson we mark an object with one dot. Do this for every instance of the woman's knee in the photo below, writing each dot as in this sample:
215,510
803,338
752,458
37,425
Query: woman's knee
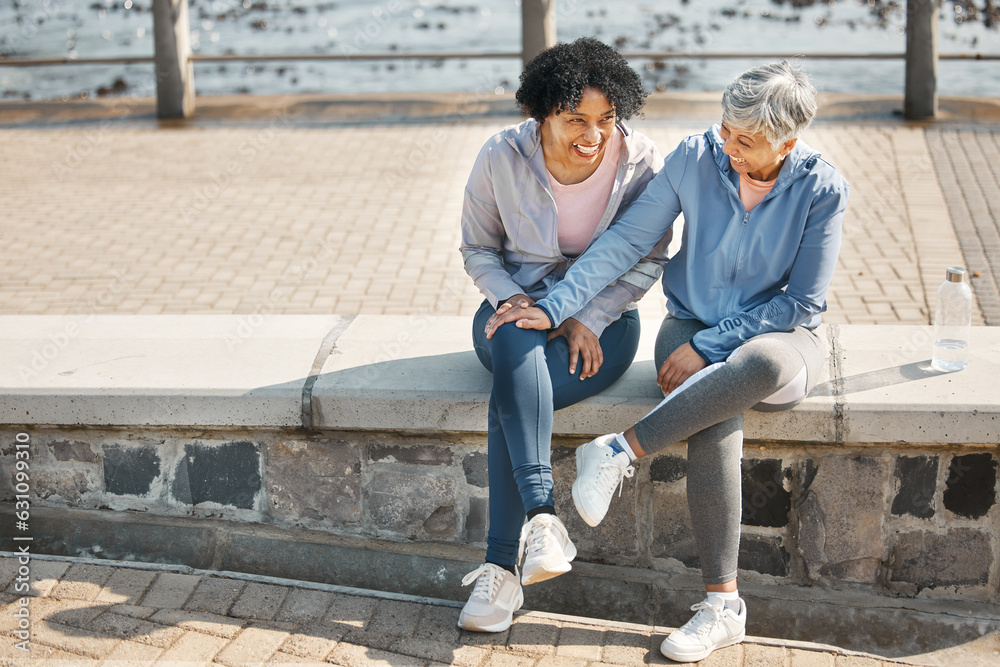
509,336
673,333
510,346
772,361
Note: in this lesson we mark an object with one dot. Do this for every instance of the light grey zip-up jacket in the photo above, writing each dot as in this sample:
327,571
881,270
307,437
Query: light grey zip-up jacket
510,226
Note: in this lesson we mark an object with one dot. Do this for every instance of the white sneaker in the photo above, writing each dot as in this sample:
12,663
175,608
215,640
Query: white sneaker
547,549
711,627
599,470
494,600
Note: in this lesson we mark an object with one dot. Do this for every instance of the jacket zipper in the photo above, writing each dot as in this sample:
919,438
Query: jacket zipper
736,262
746,218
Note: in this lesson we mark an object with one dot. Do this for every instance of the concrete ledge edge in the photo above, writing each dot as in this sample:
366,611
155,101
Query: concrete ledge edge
368,372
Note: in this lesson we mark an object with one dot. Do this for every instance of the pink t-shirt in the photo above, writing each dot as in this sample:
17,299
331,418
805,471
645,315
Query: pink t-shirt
752,192
581,205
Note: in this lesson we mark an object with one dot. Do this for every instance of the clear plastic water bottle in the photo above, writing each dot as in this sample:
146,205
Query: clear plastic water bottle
952,322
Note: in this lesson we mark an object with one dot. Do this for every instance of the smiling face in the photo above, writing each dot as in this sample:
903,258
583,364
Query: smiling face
752,154
574,140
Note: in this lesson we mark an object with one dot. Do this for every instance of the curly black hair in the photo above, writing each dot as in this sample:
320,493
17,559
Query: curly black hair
553,81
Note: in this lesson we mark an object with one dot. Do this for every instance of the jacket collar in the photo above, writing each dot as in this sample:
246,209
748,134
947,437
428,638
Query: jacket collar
798,162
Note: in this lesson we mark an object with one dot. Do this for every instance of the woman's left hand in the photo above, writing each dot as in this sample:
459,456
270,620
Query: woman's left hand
526,317
582,343
679,366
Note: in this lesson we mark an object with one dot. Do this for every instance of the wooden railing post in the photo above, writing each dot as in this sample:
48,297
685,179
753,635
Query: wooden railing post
538,27
921,59
174,72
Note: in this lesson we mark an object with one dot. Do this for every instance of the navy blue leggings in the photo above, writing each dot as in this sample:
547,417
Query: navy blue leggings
530,381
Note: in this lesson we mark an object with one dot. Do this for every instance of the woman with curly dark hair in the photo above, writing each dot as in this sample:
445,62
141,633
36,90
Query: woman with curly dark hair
539,194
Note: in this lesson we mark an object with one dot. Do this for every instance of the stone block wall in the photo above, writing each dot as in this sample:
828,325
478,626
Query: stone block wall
901,520
906,521
363,485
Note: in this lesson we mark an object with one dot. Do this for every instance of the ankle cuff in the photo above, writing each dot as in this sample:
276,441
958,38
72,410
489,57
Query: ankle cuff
544,509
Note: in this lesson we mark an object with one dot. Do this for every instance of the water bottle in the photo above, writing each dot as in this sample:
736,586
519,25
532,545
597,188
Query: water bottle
952,322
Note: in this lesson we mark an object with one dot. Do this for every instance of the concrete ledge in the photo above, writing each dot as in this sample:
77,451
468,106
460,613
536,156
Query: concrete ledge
418,373
149,370
406,373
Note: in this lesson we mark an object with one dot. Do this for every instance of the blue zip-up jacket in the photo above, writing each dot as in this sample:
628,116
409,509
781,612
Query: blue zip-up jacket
510,225
742,273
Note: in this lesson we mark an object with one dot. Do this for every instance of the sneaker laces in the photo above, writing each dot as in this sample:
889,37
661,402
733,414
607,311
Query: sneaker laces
707,616
488,579
611,475
538,533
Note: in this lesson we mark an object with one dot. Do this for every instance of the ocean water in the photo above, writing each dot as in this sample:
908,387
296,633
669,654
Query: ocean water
108,28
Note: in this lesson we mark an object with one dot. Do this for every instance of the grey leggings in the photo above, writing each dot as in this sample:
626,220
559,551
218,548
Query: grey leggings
708,410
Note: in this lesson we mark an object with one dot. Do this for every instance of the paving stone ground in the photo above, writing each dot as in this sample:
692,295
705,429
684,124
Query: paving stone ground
89,612
279,217
967,167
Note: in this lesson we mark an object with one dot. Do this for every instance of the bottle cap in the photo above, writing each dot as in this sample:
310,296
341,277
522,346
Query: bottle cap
955,274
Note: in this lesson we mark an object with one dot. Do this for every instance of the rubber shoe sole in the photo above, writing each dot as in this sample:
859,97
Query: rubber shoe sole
696,656
471,625
546,571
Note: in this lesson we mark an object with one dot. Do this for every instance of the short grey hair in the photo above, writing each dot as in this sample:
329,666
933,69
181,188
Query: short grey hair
776,99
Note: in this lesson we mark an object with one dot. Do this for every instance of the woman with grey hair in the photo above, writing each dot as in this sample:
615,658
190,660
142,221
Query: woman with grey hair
763,215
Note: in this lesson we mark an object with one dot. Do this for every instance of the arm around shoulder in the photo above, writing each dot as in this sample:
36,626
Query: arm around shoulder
637,231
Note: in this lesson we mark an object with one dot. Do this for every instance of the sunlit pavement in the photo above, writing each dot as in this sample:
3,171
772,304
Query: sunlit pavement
292,205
